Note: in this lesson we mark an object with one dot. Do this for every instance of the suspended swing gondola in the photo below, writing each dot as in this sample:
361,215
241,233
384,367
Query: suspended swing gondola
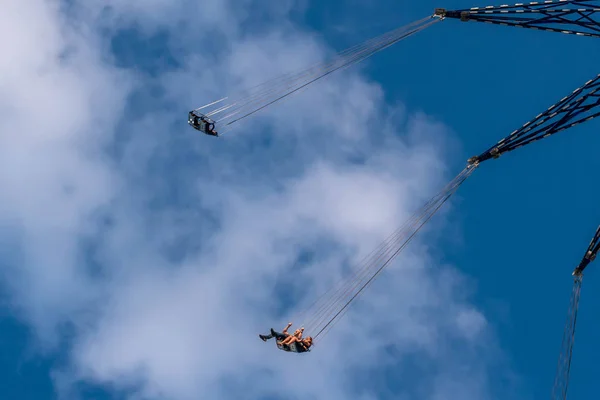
202,123
297,344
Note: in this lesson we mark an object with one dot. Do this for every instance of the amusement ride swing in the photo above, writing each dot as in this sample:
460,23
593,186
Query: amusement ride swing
583,104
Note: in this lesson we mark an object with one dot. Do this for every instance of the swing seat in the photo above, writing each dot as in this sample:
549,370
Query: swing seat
202,123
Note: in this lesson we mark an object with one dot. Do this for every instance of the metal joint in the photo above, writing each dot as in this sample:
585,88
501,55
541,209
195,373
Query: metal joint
440,12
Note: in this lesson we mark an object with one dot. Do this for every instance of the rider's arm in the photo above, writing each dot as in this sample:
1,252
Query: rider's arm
287,327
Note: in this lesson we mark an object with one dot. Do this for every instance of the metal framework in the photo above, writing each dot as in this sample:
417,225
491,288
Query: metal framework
580,106
570,17
563,16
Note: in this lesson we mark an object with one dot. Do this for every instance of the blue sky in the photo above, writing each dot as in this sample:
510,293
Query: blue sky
130,241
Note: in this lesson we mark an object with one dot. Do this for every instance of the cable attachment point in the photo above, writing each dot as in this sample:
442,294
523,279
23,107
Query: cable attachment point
440,13
443,13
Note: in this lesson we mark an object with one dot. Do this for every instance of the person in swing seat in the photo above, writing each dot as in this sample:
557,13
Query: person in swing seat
296,345
297,335
293,343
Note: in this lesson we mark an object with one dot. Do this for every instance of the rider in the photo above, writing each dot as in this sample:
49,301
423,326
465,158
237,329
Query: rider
290,338
295,344
285,341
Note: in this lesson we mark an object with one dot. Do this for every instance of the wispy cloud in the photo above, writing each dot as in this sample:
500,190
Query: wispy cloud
159,254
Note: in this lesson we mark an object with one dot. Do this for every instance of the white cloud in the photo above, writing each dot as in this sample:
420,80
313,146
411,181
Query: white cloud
188,238
61,105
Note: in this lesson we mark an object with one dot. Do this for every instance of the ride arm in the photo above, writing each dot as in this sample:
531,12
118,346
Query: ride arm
580,106
569,17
